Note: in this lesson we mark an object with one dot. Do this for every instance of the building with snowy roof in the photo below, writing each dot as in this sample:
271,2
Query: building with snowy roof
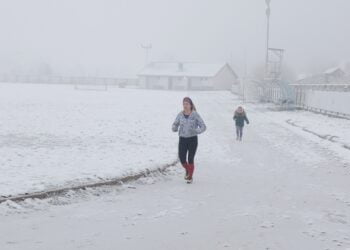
191,76
334,75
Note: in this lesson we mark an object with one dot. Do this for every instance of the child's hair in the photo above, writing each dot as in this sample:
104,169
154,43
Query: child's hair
242,110
189,100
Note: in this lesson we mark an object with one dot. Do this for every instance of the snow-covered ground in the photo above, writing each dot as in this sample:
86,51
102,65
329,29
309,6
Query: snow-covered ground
332,132
53,136
281,188
328,128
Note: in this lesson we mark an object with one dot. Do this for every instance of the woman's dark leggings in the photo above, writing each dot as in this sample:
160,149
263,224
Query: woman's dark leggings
187,145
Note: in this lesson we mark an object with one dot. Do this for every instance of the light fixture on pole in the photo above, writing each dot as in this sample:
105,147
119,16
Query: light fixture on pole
147,48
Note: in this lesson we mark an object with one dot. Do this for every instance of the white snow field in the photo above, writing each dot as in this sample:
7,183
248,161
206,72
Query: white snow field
281,188
53,136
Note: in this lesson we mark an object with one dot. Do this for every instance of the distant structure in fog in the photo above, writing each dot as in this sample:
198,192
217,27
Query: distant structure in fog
188,76
336,76
327,92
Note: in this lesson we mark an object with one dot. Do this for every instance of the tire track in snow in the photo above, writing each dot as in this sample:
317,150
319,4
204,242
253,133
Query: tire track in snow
331,138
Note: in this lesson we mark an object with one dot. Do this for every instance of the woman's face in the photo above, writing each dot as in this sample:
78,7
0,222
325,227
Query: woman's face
187,106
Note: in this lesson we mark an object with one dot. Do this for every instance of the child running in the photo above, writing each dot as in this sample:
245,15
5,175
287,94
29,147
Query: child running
240,117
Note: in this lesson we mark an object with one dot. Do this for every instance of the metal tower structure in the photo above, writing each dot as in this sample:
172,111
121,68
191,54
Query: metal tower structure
274,64
274,88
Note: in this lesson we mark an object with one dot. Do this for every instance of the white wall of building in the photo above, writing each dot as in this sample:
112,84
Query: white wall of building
223,80
179,83
200,83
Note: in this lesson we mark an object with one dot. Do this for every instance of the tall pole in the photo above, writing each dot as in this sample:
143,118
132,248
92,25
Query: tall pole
245,75
147,48
268,12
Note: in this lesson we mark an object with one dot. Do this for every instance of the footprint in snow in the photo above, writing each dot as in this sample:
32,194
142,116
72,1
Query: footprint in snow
11,242
161,214
267,224
336,218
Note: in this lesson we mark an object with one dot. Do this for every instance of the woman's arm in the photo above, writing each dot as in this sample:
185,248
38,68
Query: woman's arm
176,124
201,125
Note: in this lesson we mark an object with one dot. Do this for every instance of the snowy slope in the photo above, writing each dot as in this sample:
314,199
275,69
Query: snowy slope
53,135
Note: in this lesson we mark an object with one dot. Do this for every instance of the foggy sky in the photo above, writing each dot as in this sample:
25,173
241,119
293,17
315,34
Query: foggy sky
103,37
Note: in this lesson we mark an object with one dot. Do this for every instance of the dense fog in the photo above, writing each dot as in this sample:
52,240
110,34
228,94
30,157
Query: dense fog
104,37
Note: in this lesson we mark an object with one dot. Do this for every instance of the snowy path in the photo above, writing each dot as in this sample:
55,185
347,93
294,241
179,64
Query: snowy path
278,189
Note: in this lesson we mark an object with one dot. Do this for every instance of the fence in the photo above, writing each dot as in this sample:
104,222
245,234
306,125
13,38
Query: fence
332,99
74,80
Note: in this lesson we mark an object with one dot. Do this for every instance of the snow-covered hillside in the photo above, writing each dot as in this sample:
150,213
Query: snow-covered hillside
53,136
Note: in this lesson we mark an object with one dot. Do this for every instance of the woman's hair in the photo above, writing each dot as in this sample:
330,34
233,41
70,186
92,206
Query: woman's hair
189,100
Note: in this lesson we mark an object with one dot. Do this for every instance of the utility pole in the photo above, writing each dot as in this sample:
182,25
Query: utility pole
147,48
245,76
268,13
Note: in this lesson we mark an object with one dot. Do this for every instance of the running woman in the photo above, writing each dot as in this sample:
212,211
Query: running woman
189,124
240,117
